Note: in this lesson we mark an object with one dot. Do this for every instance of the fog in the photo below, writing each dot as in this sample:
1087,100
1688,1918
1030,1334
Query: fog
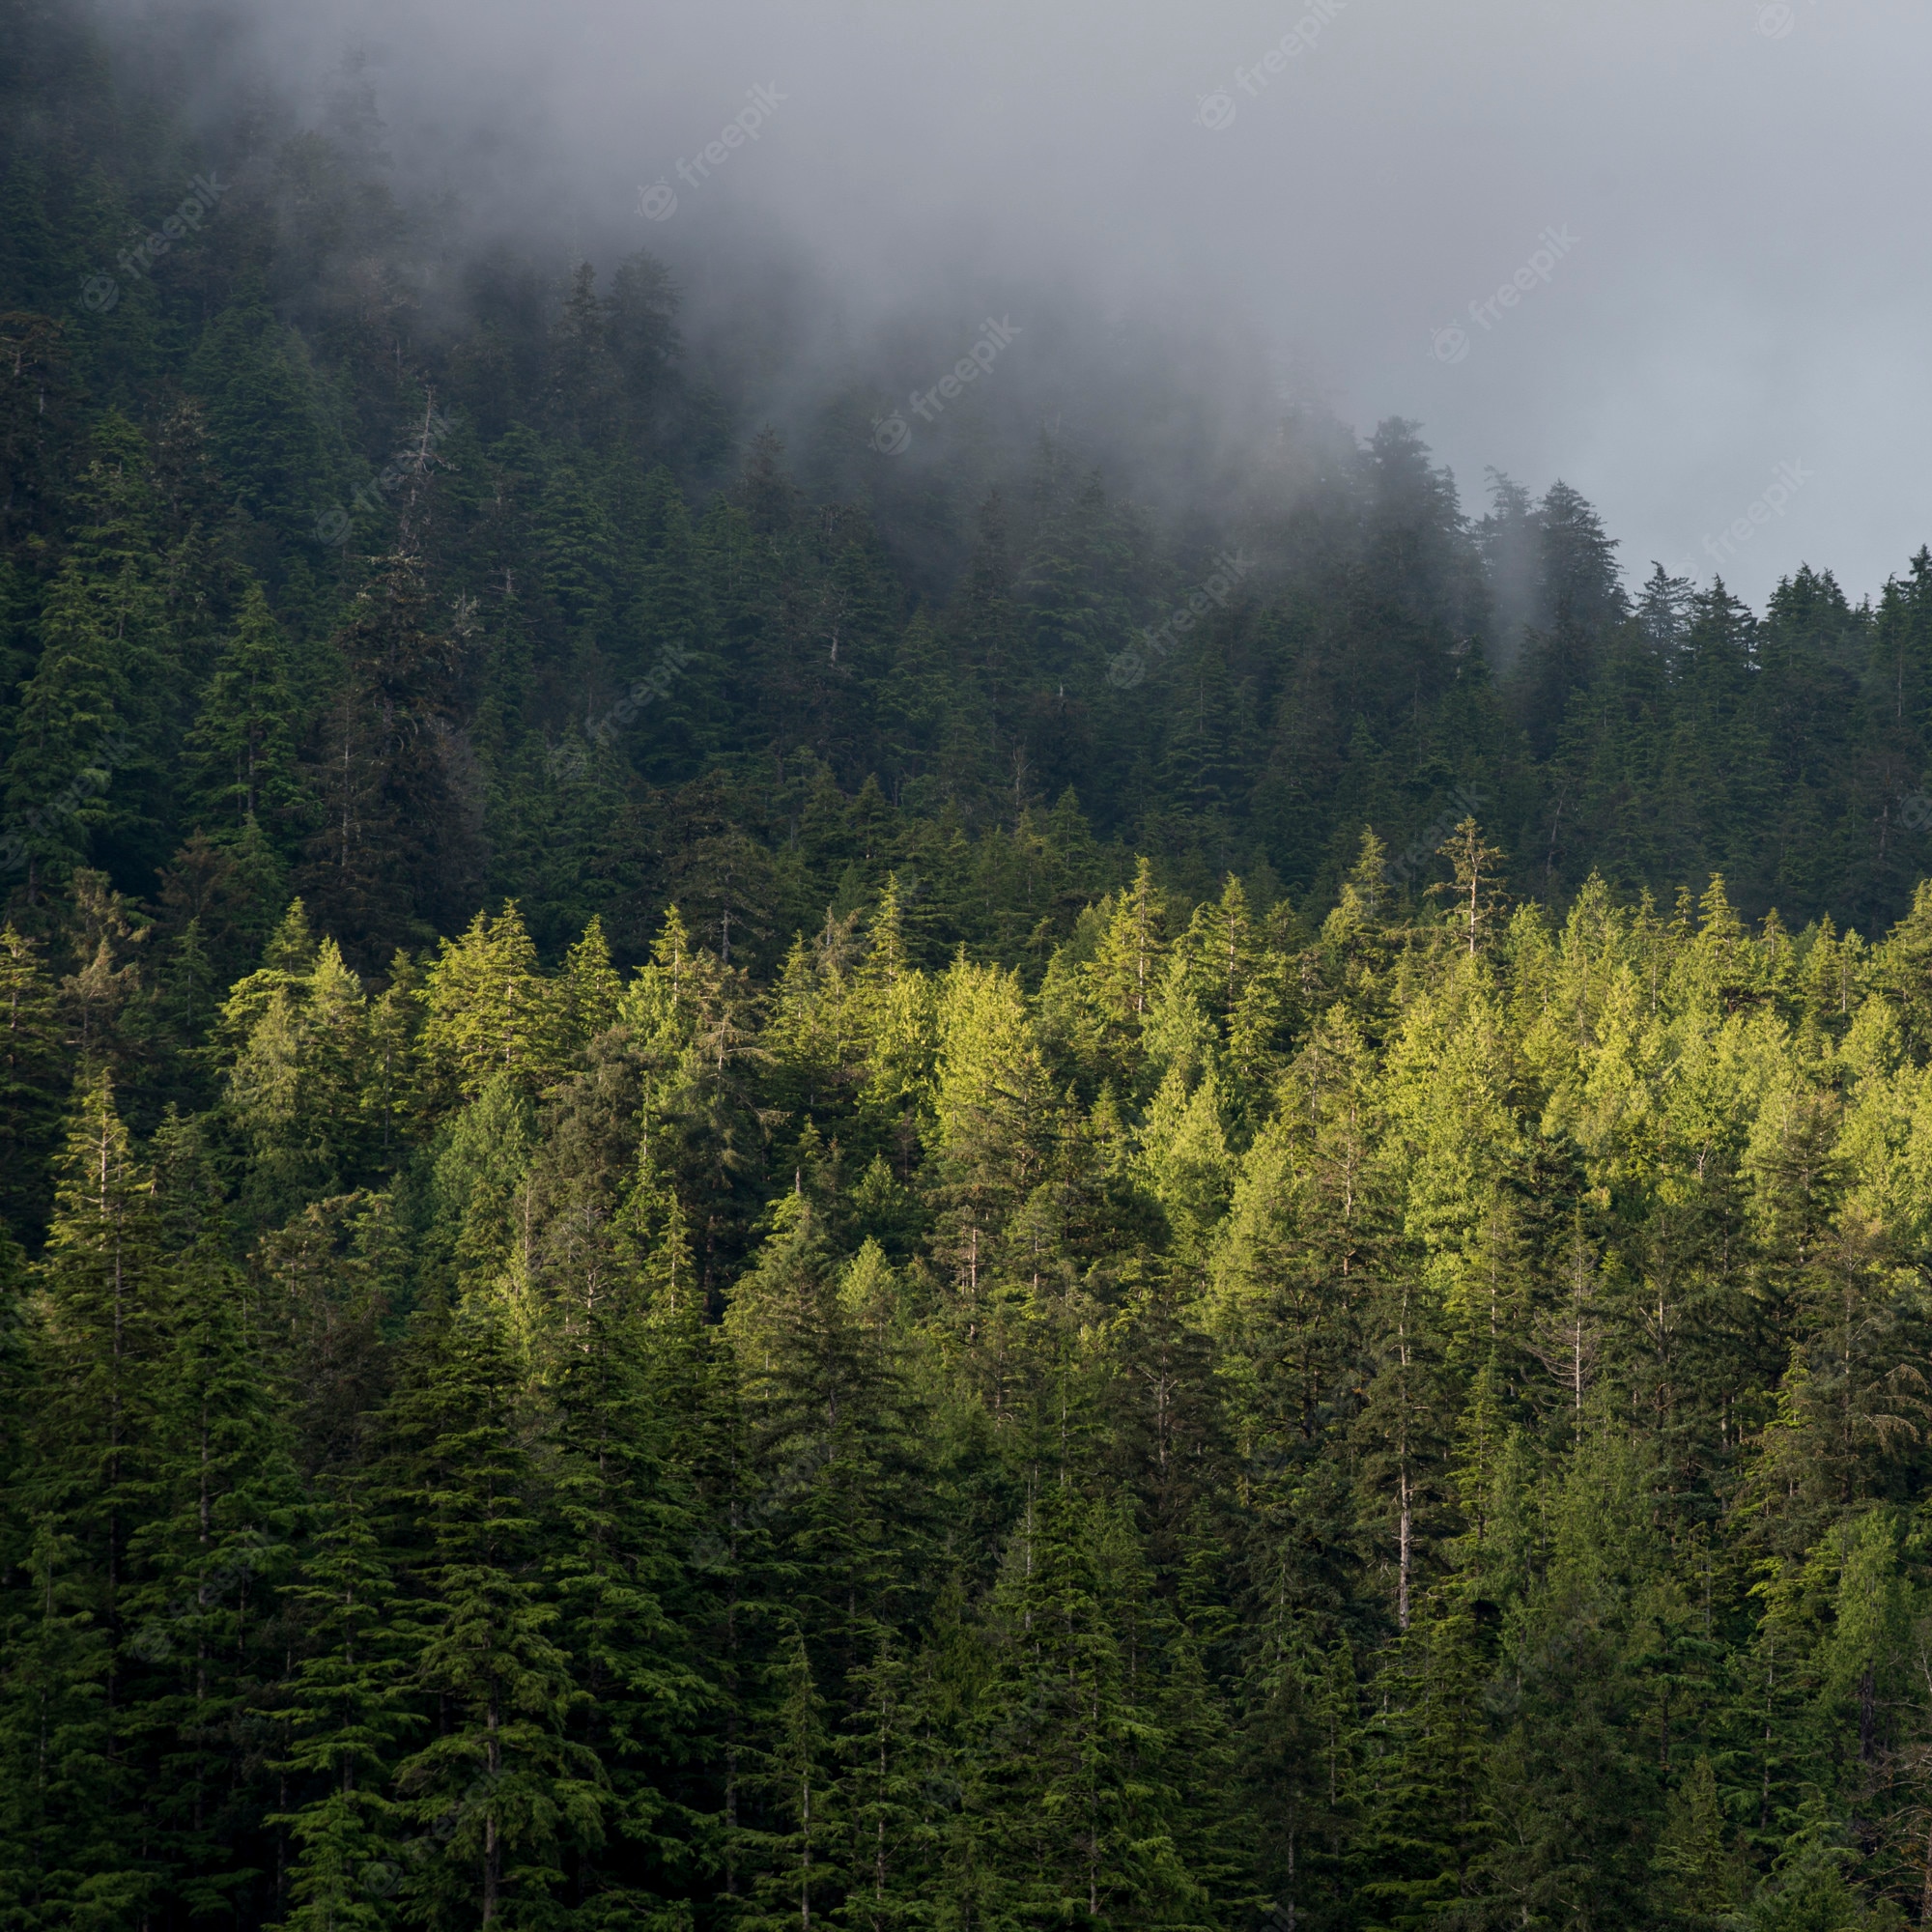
1712,202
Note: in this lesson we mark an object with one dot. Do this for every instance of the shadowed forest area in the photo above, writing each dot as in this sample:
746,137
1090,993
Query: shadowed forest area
745,1184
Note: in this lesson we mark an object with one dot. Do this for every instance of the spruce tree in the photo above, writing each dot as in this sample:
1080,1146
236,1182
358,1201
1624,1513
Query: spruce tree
241,749
502,1795
83,1495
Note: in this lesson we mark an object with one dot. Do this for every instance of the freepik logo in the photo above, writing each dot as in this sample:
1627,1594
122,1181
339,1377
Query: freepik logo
1127,669
17,847
659,200
1554,244
1452,342
1299,40
333,524
1777,20
1217,110
892,436
100,293
569,761
1786,481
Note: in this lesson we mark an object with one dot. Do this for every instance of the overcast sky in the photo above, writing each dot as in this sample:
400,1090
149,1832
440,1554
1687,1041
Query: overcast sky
1742,280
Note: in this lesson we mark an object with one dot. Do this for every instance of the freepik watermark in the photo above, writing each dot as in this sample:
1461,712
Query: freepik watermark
101,293
1466,802
1775,18
892,436
569,761
659,200
16,848
383,1877
155,1640
1786,481
1217,110
332,526
1127,669
1451,343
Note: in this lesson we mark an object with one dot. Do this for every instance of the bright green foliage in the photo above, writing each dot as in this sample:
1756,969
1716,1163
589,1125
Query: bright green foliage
296,1034
890,1444
489,1009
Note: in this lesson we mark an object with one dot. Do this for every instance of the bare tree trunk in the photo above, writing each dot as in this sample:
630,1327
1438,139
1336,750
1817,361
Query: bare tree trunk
805,1854
1402,1585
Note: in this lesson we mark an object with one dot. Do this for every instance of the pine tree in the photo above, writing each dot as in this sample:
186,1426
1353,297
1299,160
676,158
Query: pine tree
219,1502
501,1794
881,1801
796,1779
241,749
294,1039
489,1009
1070,1811
73,731
1477,900
30,1071
622,1508
82,1495
392,859
345,1715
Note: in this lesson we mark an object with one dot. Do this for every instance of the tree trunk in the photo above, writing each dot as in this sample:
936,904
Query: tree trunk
493,1850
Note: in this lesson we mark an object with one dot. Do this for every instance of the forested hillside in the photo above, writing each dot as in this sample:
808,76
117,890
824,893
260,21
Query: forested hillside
754,1179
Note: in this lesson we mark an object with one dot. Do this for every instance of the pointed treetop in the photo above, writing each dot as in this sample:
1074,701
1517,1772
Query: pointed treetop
592,984
886,957
1477,898
291,946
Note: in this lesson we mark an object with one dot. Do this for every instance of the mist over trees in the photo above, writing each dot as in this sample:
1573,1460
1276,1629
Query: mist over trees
757,1179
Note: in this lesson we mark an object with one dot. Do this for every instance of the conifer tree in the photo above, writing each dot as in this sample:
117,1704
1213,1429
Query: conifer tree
241,749
219,1504
621,1508
1067,1788
502,1791
82,1495
1121,980
73,731
30,1071
345,1715
393,858
489,1009
1477,895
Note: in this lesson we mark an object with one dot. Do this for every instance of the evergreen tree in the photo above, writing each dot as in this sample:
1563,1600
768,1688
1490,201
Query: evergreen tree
82,1496
29,1081
241,749
501,1793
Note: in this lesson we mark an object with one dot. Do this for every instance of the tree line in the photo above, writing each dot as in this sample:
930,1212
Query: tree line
1409,1420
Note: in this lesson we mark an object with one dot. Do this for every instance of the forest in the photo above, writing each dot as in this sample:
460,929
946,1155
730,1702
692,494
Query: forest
746,1182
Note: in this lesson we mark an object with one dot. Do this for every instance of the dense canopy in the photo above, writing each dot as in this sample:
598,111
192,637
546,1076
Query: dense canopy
745,1184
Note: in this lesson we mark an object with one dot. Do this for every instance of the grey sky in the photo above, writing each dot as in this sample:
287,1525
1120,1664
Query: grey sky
1749,283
